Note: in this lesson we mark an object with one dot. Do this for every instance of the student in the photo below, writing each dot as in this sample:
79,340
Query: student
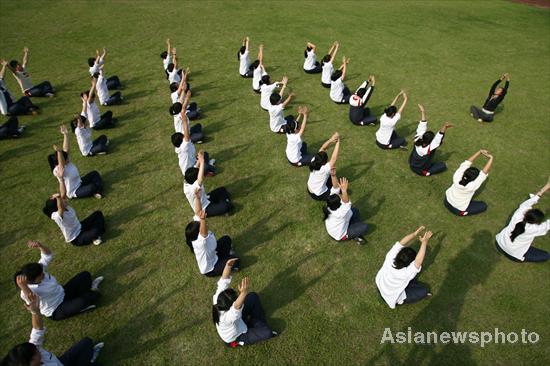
496,95
19,71
103,90
31,353
179,112
239,318
258,70
267,88
62,168
466,180
75,232
91,111
322,181
396,280
8,105
192,111
342,221
359,113
96,63
244,60
166,57
311,65
215,203
386,137
339,92
211,254
174,74
11,129
514,241
425,145
327,65
83,132
56,302
277,120
296,149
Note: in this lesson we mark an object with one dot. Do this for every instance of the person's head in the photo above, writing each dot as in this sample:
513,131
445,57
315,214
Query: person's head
74,123
255,64
50,207
426,139
177,139
53,161
390,111
336,75
469,175
226,299
84,95
192,233
24,354
361,92
175,108
242,50
170,67
91,61
326,58
292,127
96,75
499,91
33,271
265,80
318,161
191,175
174,87
532,216
333,203
163,55
275,98
404,258
16,65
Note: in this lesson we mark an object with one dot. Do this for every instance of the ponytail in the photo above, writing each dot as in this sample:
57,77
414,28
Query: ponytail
215,314
518,230
326,212
532,216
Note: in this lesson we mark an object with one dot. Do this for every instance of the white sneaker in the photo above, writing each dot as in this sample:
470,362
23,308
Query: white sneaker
212,162
96,283
91,307
98,241
98,195
97,350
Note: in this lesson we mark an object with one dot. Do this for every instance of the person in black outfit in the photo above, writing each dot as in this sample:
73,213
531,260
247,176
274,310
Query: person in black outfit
496,95
359,114
11,128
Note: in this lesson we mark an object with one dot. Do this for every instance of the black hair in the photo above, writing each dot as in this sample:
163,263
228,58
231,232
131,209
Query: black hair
469,175
175,108
52,159
404,258
255,64
275,98
265,80
241,52
50,207
307,50
74,124
31,271
174,86
14,63
96,75
85,93
361,92
91,61
20,355
426,139
291,126
192,233
318,161
326,58
226,299
333,203
170,67
163,55
533,216
191,175
177,139
336,75
390,111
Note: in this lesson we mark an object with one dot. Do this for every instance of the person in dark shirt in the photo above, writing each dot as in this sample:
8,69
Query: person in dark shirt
496,95
359,113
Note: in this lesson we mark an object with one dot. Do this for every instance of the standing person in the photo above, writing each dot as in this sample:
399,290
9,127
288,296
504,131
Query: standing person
267,88
515,240
56,302
277,120
466,181
97,120
239,318
31,353
296,149
258,70
311,65
166,57
103,91
327,65
8,105
96,63
342,221
11,129
83,132
386,137
396,280
19,71
496,95
63,169
322,181
179,112
211,254
339,92
244,59
359,113
425,145
215,203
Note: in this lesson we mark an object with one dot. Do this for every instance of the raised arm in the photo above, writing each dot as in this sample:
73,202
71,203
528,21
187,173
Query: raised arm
200,176
183,82
36,244
288,99
261,54
489,164
203,228
168,48
185,126
330,141
34,309
226,274
403,104
304,113
246,42
422,113
312,46
91,93
507,83
335,152
344,189
3,70
185,104
65,133
243,291
422,251
397,98
25,57
407,238
60,157
544,189
476,155
102,58
284,82
445,127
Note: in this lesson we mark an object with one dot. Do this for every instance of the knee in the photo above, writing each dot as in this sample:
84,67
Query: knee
253,296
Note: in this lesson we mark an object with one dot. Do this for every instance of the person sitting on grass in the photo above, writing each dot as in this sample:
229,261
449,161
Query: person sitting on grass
11,129
296,149
339,92
396,280
56,302
211,254
75,232
8,105
97,120
277,120
179,112
166,57
31,353
514,241
174,74
19,71
425,145
328,66
258,70
62,168
342,221
496,96
244,60
239,317
359,113
103,91
311,65
386,137
96,63
83,132
178,91
466,181
267,88
322,181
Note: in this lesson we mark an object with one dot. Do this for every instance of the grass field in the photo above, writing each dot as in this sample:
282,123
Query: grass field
319,294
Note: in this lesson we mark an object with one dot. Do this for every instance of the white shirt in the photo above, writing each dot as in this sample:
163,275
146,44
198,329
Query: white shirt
189,190
166,61
436,142
102,90
337,222
92,113
95,69
293,147
231,324
310,60
50,292
391,282
178,122
174,97
69,224
337,90
276,117
328,69
257,76
244,62
522,242
205,252
71,177
84,140
387,124
24,79
317,181
47,358
3,101
266,91
459,196
174,77
187,156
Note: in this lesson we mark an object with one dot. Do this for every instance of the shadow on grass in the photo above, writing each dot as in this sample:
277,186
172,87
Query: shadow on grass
245,186
355,171
257,234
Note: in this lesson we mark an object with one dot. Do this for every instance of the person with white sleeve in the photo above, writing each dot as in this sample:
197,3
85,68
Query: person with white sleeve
244,59
311,65
267,88
386,137
322,181
327,65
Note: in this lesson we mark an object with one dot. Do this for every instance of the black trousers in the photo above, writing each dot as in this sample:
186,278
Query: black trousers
116,98
415,292
10,128
474,208
78,296
92,227
113,83
220,202
479,114
22,106
79,354
254,317
193,112
40,90
433,168
317,69
324,196
99,145
356,226
196,134
223,249
396,142
106,121
90,185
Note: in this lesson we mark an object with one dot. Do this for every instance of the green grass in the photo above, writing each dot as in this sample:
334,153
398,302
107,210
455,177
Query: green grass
319,294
